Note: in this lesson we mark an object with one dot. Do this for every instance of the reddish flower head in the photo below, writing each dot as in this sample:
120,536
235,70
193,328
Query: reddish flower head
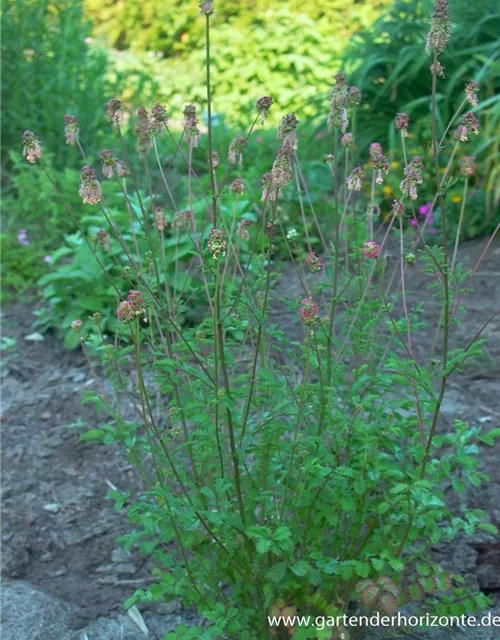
371,249
401,123
313,263
309,311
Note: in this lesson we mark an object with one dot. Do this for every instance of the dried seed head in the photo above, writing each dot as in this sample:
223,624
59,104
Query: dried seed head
287,129
440,30
469,124
191,131
471,91
142,132
267,191
160,219
159,118
413,178
121,169
235,154
401,123
90,189
355,96
281,173
339,96
114,110
31,147
237,186
108,163
215,160
437,69
217,242
71,129
263,105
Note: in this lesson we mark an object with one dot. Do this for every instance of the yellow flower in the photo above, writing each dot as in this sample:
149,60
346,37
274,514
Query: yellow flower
387,191
456,199
394,164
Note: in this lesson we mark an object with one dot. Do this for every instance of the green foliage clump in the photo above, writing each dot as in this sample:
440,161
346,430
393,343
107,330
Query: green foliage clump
172,29
48,69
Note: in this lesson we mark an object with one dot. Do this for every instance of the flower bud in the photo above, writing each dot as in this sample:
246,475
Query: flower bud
347,141
76,325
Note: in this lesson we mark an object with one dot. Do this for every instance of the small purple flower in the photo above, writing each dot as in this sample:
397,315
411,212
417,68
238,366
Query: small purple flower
22,238
425,209
47,259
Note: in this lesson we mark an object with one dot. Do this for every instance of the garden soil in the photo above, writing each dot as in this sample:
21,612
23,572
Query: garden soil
64,575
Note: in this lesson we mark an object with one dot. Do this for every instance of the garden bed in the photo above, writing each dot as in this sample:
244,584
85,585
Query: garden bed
59,530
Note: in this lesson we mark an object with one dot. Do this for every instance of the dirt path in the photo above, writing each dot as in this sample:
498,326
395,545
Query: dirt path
59,529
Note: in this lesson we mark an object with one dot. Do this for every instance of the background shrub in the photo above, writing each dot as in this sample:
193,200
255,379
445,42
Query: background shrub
49,69
289,52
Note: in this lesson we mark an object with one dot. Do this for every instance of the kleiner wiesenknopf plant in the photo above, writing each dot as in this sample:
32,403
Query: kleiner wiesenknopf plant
292,464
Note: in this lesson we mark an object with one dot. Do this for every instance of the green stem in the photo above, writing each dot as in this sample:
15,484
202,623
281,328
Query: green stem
209,111
460,222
